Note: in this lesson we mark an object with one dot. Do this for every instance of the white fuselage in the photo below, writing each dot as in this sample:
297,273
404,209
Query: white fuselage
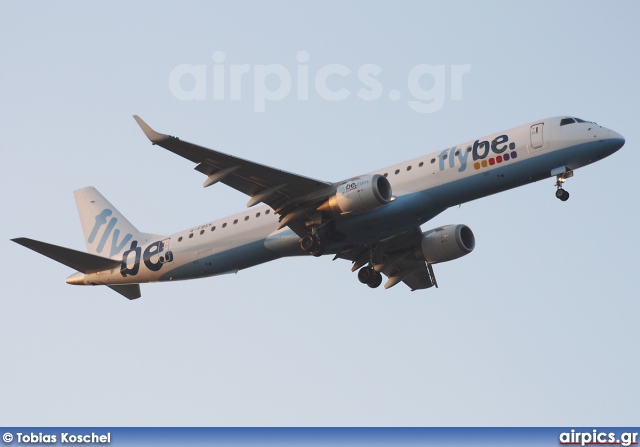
422,188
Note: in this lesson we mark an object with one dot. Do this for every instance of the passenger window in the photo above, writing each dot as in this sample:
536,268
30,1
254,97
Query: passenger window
408,168
457,152
397,171
386,174
246,218
213,228
267,212
257,214
180,239
201,232
433,160
224,225
235,221
190,235
445,156
469,149
421,164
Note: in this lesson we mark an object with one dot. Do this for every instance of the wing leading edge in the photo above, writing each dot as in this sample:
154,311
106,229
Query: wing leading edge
296,199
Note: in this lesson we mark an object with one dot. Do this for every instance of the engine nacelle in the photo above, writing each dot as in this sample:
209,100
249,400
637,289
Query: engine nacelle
446,243
360,194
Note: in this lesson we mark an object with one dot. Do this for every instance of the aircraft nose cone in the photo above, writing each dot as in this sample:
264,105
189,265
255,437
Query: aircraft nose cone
616,140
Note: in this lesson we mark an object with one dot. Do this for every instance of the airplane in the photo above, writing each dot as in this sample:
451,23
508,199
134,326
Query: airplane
372,220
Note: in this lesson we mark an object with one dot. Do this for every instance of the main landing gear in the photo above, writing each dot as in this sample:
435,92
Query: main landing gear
560,179
320,236
312,244
370,277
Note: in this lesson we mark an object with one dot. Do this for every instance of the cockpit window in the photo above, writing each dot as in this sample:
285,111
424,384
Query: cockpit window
568,120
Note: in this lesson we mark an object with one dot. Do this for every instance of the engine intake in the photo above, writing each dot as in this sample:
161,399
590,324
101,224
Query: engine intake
446,243
358,195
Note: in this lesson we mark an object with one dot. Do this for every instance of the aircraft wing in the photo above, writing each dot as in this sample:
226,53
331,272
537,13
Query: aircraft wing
415,274
287,193
394,257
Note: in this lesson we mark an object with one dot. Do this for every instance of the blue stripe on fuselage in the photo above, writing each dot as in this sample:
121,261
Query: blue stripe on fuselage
405,212
228,261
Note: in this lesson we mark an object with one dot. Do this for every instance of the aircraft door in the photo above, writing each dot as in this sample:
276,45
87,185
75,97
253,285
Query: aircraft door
536,136
165,254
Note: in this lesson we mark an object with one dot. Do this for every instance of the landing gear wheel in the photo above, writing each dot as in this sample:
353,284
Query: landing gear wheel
365,274
375,279
309,243
312,245
562,194
368,276
318,250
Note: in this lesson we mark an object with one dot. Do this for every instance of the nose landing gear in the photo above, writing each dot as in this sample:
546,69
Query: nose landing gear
562,177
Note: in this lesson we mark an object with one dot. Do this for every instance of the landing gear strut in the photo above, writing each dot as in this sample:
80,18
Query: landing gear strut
370,277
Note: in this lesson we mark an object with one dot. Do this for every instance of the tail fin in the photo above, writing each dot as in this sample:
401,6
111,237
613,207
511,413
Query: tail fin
106,232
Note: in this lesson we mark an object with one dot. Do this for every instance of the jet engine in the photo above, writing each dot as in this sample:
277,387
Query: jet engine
360,194
446,243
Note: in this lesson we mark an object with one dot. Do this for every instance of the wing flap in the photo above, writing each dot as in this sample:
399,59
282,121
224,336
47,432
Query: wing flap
420,278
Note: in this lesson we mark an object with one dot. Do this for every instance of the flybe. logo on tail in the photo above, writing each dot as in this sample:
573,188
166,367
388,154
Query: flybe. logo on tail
116,247
154,256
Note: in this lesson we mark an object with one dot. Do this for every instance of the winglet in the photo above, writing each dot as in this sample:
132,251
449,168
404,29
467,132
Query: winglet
151,134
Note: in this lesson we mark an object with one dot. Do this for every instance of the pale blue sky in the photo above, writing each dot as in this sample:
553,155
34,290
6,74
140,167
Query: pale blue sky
538,326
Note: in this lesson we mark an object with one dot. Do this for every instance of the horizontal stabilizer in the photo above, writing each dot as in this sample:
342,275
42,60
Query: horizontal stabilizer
78,260
130,291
